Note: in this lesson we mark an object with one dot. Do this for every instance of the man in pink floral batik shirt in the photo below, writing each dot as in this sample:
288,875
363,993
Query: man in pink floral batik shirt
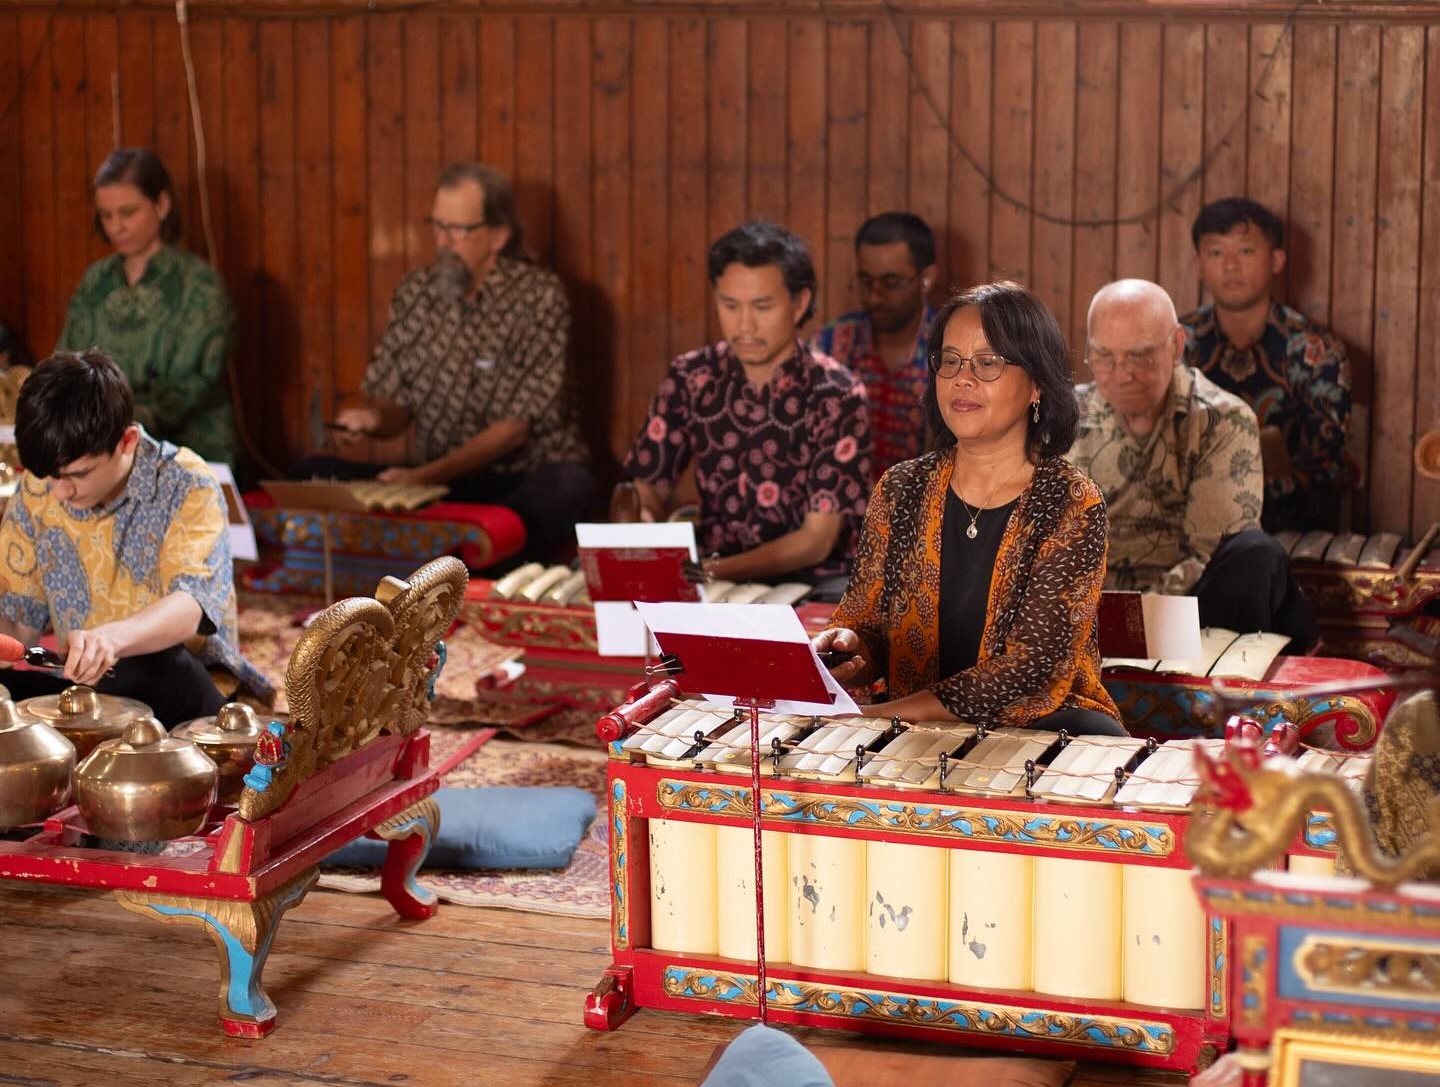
778,434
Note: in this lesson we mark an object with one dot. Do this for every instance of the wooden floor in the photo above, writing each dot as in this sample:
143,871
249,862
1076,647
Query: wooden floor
92,994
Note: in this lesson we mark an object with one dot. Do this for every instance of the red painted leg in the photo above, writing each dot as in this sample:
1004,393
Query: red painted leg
609,1004
410,834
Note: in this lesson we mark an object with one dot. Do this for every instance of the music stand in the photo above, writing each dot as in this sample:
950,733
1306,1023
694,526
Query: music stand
320,496
756,673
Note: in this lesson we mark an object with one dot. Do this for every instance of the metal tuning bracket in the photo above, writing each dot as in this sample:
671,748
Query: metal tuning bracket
776,753
859,759
896,727
699,747
1065,738
1030,776
667,665
944,770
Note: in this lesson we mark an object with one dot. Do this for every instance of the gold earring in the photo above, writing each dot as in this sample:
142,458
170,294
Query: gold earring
1035,410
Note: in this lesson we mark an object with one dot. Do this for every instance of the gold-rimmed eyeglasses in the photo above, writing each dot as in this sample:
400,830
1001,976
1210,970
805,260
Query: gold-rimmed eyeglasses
985,365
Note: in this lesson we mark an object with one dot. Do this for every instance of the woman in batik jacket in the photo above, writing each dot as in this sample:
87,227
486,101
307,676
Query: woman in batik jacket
978,574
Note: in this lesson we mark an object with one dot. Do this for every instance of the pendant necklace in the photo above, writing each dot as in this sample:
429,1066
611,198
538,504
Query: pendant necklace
973,531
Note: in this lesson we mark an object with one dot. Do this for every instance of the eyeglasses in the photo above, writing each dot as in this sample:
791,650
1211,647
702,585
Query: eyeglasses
985,365
889,283
453,230
1133,363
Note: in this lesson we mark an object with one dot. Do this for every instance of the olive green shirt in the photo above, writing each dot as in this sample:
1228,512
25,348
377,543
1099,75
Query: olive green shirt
170,333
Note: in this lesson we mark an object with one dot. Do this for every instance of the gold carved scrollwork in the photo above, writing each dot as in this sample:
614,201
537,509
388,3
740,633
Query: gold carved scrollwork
1360,967
1303,711
1254,979
967,823
359,669
1096,1031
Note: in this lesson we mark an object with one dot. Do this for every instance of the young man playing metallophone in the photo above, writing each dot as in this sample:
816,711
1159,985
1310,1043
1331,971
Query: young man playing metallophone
118,543
779,434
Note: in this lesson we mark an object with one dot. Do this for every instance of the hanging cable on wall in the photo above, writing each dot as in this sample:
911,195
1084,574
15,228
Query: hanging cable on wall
1152,212
232,379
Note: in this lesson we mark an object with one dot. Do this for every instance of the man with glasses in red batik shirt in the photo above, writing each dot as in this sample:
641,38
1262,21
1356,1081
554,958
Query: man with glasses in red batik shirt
883,344
1178,460
475,357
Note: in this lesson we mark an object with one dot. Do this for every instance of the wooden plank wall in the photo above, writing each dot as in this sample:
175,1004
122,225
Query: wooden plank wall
1058,148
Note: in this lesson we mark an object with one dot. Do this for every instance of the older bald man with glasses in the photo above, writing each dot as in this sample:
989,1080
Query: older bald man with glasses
1178,460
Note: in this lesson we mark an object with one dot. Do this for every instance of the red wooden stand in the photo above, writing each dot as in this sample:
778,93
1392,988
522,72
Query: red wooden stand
242,875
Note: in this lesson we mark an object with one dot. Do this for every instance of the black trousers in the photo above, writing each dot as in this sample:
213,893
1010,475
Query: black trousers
549,498
172,682
1249,586
1079,722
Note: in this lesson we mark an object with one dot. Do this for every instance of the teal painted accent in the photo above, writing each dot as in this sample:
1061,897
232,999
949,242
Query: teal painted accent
1060,829
242,995
910,1011
1217,975
1293,986
421,826
617,830
1320,831
442,653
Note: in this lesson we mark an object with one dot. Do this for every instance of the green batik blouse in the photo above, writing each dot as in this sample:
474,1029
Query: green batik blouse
170,333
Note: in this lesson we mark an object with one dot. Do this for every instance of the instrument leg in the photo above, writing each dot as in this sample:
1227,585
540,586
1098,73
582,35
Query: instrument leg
243,932
410,834
609,1004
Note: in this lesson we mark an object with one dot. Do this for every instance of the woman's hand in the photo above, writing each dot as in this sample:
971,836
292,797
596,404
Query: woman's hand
843,653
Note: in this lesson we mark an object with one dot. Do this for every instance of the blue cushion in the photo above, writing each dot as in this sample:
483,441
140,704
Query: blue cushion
761,1056
498,827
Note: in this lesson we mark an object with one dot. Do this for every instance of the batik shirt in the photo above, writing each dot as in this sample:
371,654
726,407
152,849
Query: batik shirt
170,333
893,397
764,457
1039,650
459,365
68,569
1296,377
1174,494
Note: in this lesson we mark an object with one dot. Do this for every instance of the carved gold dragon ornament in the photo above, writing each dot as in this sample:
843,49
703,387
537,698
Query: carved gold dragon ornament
1248,812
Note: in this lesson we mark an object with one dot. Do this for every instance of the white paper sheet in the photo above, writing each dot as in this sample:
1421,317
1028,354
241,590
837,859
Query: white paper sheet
242,532
1172,626
753,622
619,630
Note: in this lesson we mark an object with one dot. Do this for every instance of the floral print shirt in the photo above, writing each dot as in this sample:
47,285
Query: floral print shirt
764,456
65,569
1295,377
897,421
1039,650
1173,495
459,365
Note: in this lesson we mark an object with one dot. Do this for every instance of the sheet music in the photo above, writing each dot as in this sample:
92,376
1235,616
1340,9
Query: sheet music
752,622
619,629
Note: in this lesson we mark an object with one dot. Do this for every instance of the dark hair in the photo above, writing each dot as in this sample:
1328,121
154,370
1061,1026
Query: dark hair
1223,216
1020,327
900,226
142,168
74,404
756,244
9,342
499,208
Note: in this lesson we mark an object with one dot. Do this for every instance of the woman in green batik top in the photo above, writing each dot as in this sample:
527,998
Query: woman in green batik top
160,312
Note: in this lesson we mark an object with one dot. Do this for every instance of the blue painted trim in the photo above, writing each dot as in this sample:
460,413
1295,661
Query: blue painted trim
1293,986
243,995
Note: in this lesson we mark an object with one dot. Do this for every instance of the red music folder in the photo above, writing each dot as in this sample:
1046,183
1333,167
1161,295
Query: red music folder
747,669
647,574
1121,625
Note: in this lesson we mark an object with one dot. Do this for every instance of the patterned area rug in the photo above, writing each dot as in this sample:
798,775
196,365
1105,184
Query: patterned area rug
581,890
